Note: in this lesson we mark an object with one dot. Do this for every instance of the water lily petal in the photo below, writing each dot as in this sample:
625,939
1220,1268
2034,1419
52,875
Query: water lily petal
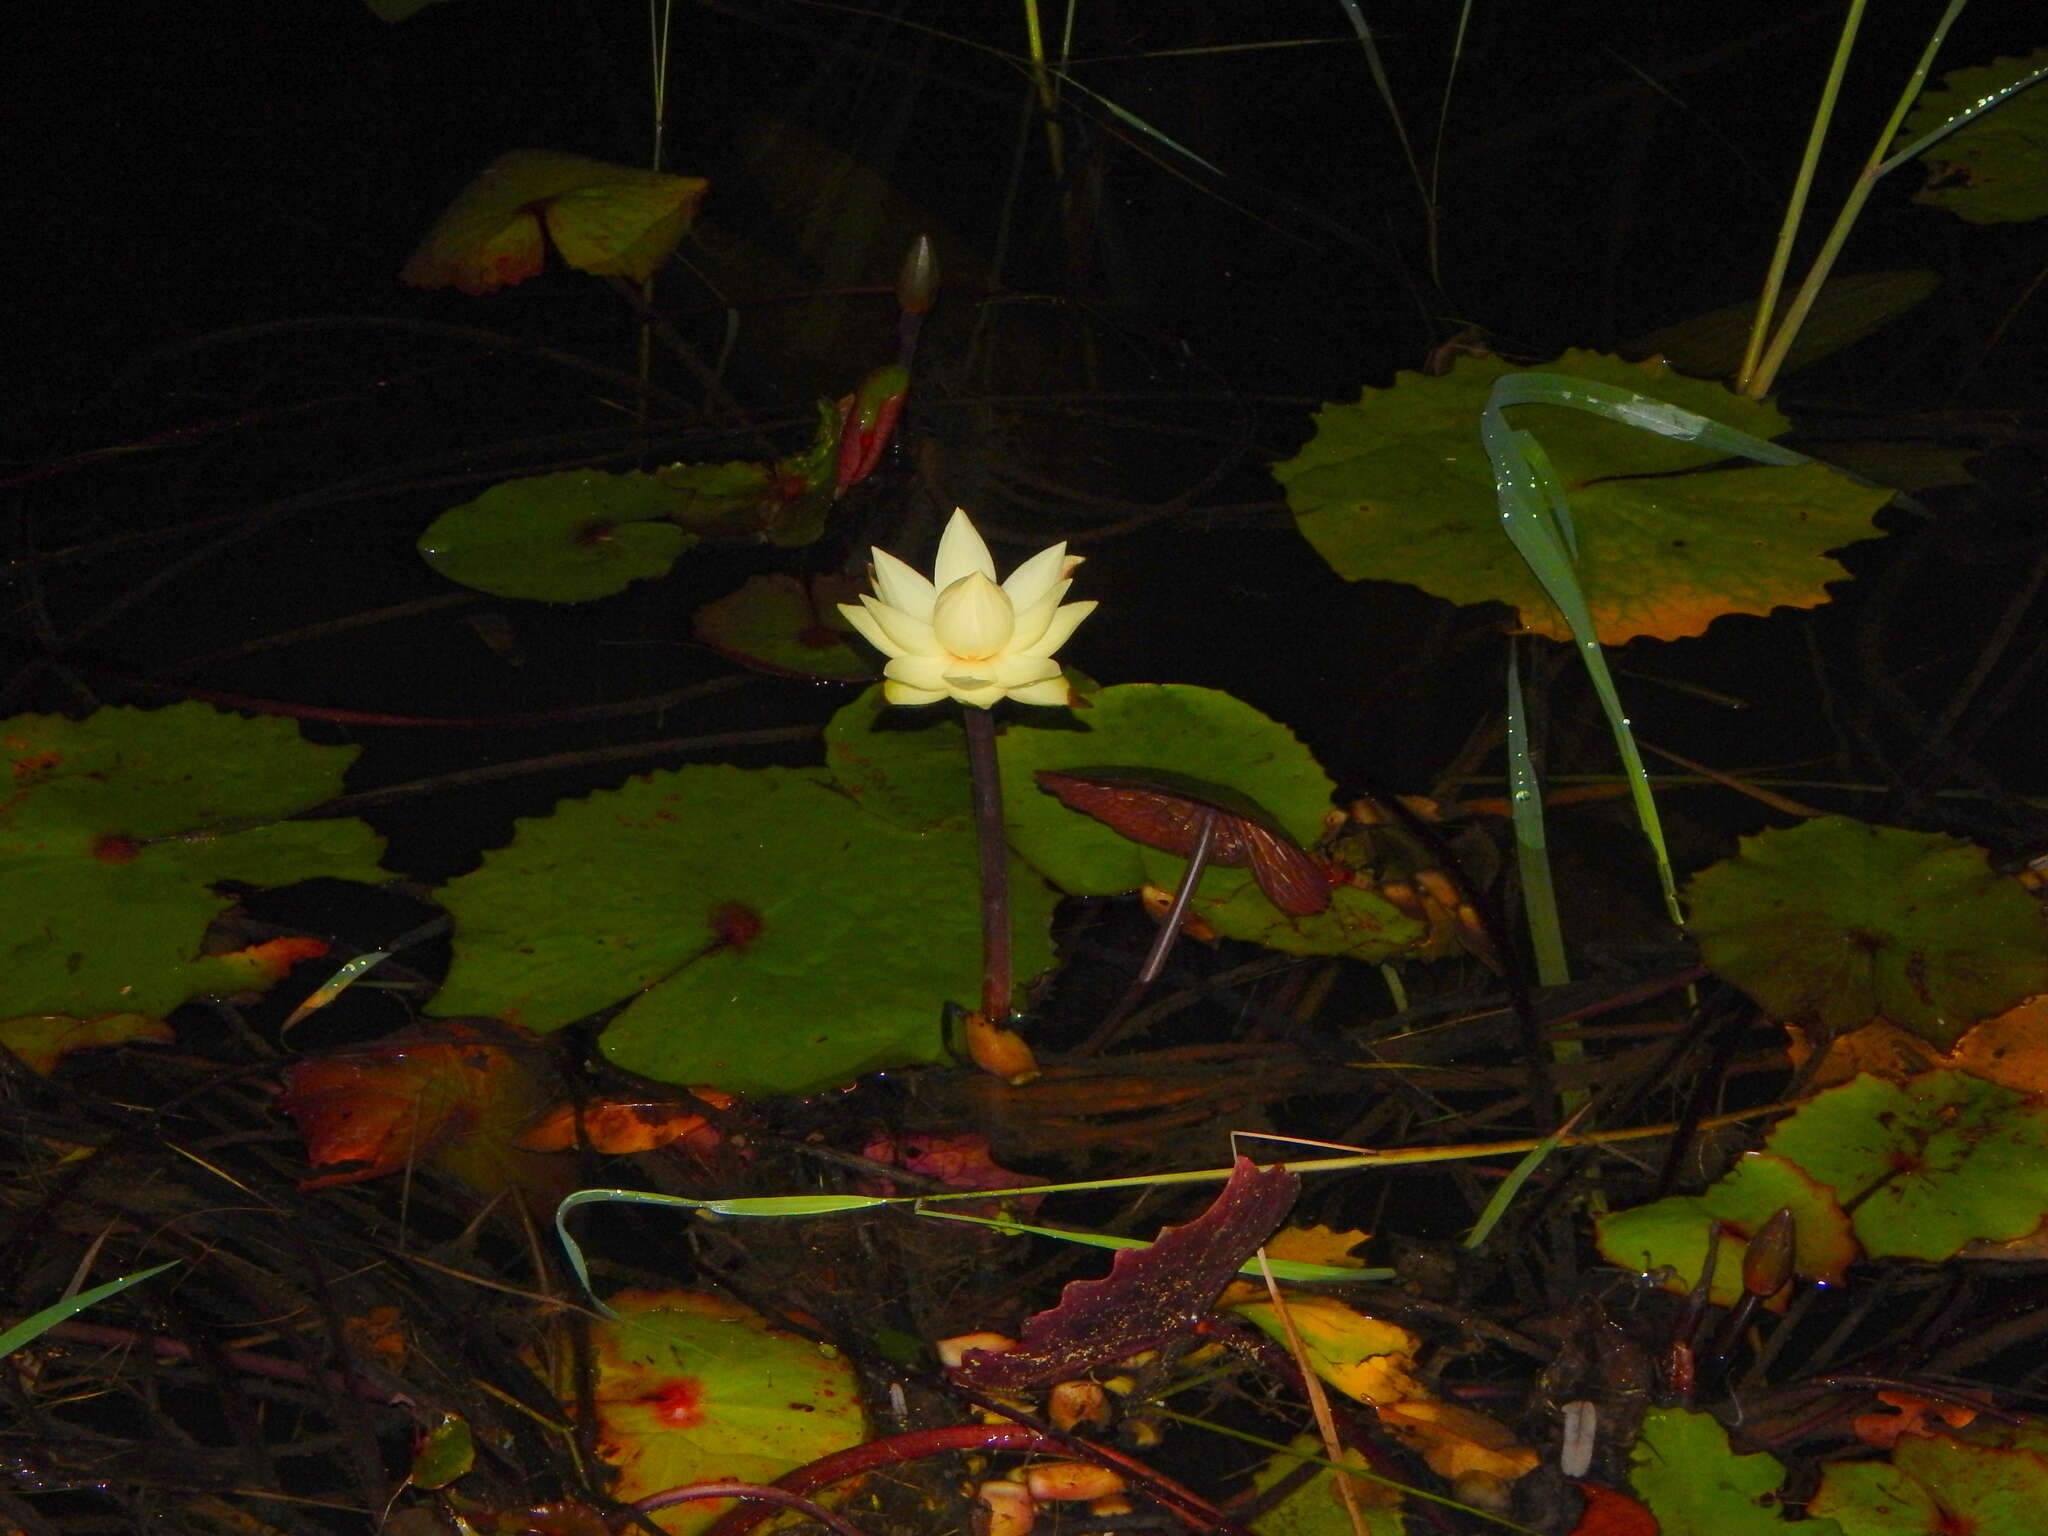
1038,575
902,693
902,587
961,551
912,635
1062,626
1053,693
1032,620
1017,671
870,630
973,618
927,673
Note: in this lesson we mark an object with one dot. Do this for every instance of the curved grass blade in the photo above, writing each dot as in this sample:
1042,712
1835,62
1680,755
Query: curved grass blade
1282,1269
37,1324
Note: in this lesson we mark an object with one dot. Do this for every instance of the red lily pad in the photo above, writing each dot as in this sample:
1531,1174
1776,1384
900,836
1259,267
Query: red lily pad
1150,1294
1169,811
448,1094
1208,735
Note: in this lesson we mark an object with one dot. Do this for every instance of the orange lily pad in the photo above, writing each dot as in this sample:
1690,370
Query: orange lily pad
448,1094
620,1125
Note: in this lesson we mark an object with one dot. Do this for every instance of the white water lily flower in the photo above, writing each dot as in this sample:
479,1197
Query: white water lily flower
961,636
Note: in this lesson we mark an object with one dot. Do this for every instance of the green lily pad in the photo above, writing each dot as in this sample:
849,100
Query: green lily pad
781,623
609,220
691,1387
908,766
1851,306
1926,1165
1904,466
1989,1480
1398,488
1696,1486
1671,1234
1836,922
1993,170
771,935
119,827
567,537
1206,734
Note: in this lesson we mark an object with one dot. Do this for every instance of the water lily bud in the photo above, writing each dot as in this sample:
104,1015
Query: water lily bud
1768,1261
952,1351
973,618
1006,1509
917,284
1077,1402
1053,1480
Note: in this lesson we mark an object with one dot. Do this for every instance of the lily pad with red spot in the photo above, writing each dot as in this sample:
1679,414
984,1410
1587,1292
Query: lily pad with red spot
782,624
1926,1165
1396,487
690,1387
119,831
767,935
1835,922
564,538
609,220
1988,1480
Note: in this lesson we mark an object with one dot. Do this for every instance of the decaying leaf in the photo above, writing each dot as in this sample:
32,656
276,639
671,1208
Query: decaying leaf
1149,1295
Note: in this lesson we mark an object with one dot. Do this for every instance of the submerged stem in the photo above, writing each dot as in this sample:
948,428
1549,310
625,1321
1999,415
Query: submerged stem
995,864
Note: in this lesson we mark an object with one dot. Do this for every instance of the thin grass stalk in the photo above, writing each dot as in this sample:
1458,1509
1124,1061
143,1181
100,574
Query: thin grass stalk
1802,187
1041,85
1758,383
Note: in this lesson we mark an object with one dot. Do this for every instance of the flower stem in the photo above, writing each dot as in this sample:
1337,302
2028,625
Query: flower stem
995,863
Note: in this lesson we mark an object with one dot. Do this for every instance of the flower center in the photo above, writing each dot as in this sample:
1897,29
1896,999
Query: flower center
972,618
